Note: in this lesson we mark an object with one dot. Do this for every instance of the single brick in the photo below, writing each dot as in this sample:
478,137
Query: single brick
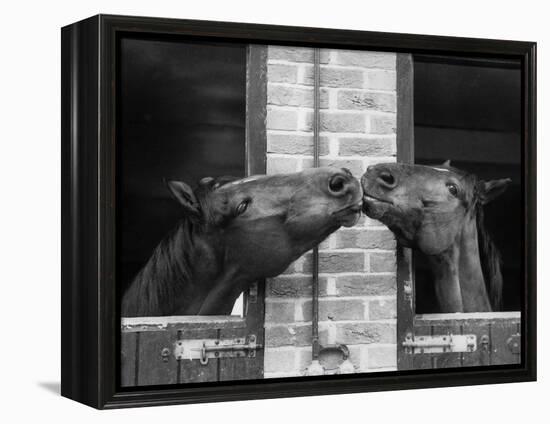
354,165
289,286
282,95
304,311
330,262
324,145
341,78
382,309
366,285
306,124
304,359
282,73
380,80
335,77
382,356
294,144
356,354
292,54
342,122
383,262
366,59
382,124
324,95
338,310
365,239
280,119
288,335
307,76
364,100
281,165
293,286
276,312
279,360
362,146
324,57
365,332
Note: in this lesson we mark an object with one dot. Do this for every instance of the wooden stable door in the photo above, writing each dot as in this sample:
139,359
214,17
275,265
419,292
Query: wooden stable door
451,340
193,349
463,340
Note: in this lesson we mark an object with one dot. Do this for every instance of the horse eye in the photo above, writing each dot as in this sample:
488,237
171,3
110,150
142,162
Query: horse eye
453,189
243,206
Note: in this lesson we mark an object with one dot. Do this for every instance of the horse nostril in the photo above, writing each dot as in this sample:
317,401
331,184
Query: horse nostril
387,179
337,184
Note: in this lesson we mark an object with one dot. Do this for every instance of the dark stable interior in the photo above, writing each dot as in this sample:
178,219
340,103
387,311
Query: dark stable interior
469,111
181,117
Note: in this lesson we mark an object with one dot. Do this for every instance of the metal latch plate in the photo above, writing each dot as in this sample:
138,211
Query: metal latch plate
205,349
440,344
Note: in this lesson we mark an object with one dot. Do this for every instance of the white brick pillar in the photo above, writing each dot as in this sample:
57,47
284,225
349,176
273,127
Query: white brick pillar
357,266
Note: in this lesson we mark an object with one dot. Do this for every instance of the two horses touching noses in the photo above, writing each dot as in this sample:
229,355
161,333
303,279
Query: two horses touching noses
234,232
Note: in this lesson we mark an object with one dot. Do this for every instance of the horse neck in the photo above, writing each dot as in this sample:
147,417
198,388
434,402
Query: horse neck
446,279
459,282
472,282
164,278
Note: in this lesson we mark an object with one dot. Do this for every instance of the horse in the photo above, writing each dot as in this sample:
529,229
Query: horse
234,232
438,210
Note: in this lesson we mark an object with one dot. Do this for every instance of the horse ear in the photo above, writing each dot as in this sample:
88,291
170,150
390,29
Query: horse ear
490,190
447,163
184,195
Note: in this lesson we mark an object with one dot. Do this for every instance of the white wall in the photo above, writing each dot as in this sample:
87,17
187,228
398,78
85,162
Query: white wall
29,234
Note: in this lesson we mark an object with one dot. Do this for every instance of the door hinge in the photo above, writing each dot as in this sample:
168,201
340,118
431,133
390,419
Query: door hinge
239,347
440,344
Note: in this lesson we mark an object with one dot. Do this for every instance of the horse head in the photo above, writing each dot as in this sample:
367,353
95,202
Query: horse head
426,207
262,223
236,231
439,211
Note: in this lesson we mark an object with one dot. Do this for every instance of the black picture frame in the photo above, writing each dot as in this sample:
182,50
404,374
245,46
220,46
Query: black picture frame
90,322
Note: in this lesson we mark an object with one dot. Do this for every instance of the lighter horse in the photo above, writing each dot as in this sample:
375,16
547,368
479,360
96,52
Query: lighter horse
439,211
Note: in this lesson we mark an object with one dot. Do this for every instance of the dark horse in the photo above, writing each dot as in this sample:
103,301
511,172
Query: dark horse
234,232
439,211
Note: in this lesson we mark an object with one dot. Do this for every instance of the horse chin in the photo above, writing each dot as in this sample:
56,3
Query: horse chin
375,208
351,219
348,216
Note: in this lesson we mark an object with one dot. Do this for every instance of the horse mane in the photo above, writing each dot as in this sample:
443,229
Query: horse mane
490,261
165,275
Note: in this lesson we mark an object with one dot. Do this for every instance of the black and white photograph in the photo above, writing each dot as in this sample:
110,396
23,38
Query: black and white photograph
286,212
291,211
254,211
